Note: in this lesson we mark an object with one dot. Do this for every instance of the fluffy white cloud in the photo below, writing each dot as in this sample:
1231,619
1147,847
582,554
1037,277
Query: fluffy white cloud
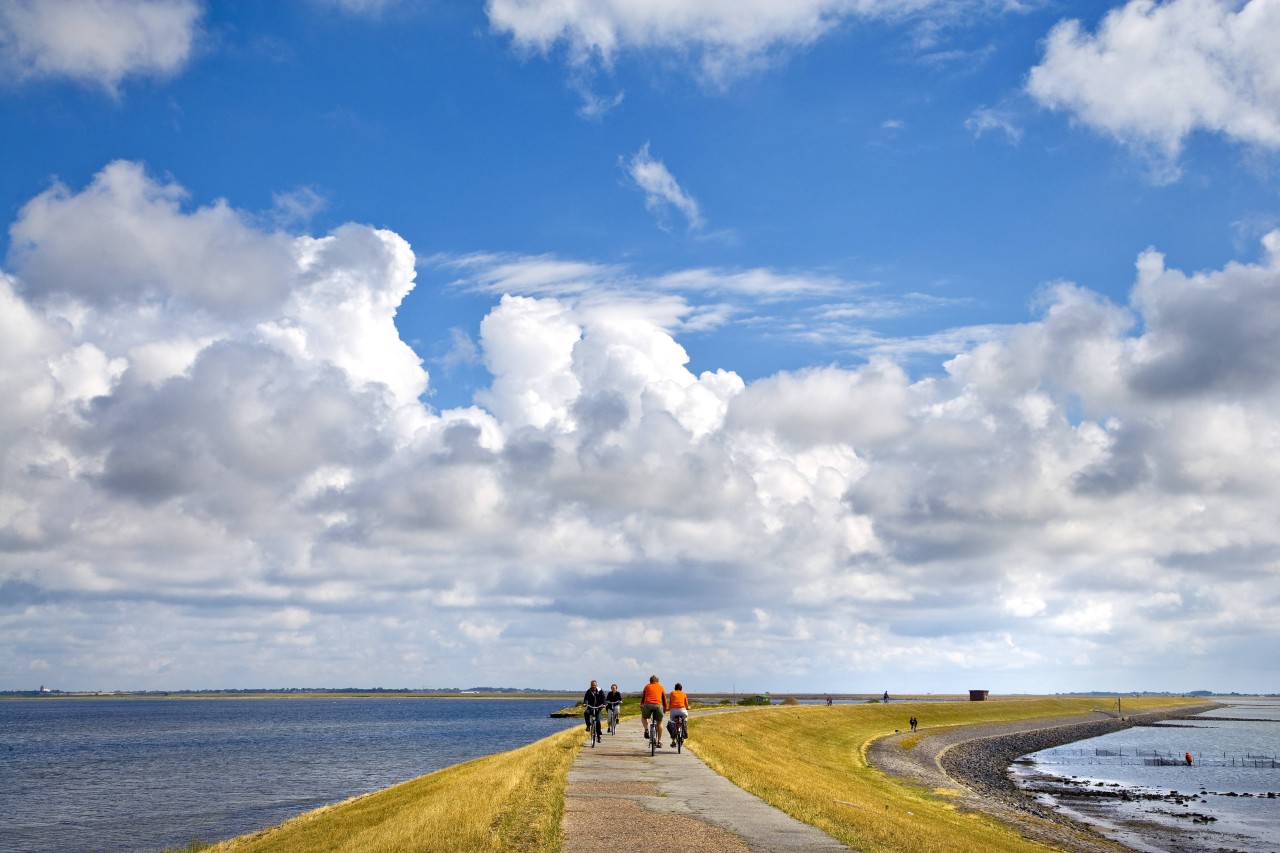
125,239
97,41
1156,72
243,469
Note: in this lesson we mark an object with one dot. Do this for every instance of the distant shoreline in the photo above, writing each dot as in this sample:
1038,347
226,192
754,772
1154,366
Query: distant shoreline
384,693
283,694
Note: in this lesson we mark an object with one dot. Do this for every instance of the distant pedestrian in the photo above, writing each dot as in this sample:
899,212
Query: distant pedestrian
914,722
1188,757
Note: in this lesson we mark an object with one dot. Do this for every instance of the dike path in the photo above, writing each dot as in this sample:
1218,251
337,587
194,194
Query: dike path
618,794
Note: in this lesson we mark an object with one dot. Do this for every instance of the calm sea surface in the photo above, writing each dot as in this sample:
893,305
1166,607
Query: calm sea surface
145,774
1235,754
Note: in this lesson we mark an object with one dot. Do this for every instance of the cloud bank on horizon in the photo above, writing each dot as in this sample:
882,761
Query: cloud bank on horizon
223,464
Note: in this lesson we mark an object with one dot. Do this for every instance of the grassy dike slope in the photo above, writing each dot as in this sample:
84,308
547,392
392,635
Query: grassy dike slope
512,801
810,761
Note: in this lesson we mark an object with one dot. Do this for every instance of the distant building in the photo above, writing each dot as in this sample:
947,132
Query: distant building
979,695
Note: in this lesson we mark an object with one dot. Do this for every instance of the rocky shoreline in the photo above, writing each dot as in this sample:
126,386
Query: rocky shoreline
979,757
982,764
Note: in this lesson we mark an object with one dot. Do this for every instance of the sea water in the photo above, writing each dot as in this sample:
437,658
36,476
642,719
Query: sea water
1221,797
146,774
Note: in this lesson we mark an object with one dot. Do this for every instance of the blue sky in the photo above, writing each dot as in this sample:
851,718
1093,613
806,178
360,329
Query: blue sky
901,344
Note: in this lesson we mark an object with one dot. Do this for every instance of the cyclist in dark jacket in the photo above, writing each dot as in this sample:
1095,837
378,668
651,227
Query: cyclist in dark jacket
593,700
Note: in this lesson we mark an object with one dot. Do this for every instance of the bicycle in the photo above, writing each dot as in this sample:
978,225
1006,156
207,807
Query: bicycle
654,728
613,718
680,731
593,727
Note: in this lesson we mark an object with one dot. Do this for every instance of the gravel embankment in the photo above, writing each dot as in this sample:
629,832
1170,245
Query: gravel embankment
982,764
977,758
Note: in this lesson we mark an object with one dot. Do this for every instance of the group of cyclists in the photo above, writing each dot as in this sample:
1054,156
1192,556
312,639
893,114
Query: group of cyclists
654,702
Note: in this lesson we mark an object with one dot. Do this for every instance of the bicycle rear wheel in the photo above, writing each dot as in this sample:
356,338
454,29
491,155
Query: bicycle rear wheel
653,738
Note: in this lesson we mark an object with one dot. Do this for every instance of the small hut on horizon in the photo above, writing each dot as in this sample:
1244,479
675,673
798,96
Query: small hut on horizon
979,695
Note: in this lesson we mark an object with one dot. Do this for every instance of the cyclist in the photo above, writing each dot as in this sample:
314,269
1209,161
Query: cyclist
613,699
592,701
679,702
653,702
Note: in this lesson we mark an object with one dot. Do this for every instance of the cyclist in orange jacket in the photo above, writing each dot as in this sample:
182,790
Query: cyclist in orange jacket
679,703
653,702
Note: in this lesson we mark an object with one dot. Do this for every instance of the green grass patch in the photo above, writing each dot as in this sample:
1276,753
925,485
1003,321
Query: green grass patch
810,761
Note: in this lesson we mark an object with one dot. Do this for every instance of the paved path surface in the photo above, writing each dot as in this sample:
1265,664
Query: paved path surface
618,793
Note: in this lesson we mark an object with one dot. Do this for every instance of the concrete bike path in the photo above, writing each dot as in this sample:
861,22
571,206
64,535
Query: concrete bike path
617,793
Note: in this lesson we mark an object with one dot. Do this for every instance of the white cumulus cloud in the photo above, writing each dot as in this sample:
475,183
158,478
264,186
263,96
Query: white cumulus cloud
245,470
100,42
1154,73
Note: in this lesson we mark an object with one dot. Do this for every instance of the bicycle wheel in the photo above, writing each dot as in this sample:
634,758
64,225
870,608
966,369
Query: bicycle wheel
653,738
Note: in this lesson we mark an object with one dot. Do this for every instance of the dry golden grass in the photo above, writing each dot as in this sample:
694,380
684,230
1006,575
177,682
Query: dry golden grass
810,761
511,802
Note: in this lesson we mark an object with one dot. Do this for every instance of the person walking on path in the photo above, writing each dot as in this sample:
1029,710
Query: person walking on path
653,703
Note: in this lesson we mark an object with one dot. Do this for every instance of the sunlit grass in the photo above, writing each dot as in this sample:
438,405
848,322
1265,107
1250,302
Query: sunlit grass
513,801
810,761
